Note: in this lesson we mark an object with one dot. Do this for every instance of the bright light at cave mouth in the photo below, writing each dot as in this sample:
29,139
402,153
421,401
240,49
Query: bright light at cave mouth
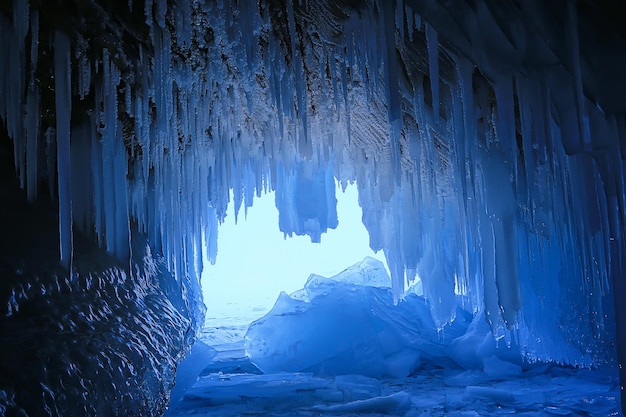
255,262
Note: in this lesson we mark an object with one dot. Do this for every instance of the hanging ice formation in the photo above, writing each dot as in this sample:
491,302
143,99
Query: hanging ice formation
489,157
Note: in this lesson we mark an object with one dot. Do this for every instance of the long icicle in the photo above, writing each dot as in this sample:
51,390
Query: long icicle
63,101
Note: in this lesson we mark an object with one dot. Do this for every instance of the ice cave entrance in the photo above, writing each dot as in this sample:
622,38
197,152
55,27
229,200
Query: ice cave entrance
256,261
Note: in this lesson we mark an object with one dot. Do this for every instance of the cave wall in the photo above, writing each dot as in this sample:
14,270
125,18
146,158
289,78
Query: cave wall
487,142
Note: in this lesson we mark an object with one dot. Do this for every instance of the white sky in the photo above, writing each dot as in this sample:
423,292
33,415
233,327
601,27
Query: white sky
255,262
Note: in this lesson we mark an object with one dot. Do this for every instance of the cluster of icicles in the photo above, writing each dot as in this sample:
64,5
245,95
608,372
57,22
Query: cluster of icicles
486,190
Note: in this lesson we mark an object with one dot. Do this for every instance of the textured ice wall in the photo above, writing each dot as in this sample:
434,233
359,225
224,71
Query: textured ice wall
485,142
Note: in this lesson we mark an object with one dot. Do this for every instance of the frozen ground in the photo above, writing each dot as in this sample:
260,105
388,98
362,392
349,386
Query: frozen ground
229,385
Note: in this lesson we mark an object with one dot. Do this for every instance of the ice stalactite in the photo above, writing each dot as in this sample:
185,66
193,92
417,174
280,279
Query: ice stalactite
305,198
63,106
32,113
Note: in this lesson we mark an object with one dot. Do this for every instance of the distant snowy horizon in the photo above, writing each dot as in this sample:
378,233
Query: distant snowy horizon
275,261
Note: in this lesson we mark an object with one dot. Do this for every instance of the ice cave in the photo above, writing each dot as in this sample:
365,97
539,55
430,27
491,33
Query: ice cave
487,140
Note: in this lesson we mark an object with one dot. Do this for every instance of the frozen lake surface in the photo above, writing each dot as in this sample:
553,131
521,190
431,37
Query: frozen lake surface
313,343
229,385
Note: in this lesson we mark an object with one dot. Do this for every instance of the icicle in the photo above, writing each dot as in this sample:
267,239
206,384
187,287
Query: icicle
506,121
248,26
97,172
392,89
333,79
82,190
296,64
122,222
576,63
128,100
526,131
399,18
160,12
34,42
432,43
32,140
13,85
84,67
32,114
410,21
464,73
148,12
344,87
114,167
51,159
488,267
183,24
63,106
21,10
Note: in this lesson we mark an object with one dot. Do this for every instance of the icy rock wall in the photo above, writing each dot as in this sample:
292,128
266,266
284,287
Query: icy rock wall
101,341
485,141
